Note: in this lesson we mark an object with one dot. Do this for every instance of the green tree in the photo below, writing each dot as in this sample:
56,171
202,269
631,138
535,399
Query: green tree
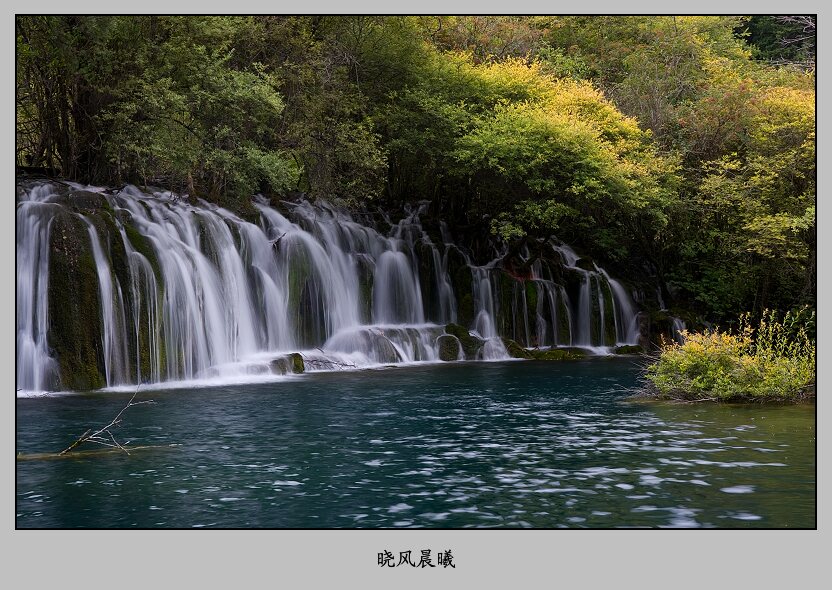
783,39
153,99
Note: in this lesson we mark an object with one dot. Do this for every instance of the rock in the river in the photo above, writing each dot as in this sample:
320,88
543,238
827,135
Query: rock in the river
515,350
290,363
449,347
471,345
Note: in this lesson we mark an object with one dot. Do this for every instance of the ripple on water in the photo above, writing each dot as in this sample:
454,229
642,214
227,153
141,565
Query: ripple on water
742,516
738,490
650,480
435,516
447,456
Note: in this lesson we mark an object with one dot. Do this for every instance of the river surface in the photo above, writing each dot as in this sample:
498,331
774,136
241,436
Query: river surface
506,444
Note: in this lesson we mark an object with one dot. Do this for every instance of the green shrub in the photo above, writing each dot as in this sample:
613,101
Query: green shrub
773,361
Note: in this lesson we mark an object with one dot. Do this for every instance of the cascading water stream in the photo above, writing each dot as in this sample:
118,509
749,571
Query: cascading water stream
396,296
113,336
145,297
626,320
623,313
494,348
195,292
36,369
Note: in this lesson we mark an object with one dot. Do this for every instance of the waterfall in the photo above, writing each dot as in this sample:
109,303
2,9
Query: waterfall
626,320
36,369
187,291
623,311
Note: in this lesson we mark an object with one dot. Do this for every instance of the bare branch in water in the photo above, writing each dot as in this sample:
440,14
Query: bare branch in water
327,363
104,436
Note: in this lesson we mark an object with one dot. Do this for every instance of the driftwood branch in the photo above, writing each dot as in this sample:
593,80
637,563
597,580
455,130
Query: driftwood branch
104,436
77,442
327,362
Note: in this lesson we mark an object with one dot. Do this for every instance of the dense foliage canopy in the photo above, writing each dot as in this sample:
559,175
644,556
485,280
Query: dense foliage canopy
679,150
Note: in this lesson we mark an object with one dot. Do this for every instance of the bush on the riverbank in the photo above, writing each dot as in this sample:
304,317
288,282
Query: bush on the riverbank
773,361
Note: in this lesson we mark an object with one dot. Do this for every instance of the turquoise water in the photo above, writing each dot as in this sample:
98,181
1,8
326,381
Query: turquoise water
512,444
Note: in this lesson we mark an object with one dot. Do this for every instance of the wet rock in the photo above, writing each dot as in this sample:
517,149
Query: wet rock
629,349
557,354
87,201
515,350
585,263
449,347
372,342
471,345
290,363
382,349
644,330
461,281
365,268
74,318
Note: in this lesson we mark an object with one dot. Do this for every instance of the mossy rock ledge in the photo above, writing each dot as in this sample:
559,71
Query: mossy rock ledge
515,350
545,354
557,354
471,345
629,349
87,201
585,263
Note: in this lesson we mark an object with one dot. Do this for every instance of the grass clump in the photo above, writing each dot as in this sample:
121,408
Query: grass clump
772,361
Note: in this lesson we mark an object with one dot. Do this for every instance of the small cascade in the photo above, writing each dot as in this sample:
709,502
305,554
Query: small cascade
660,299
144,292
186,291
387,344
485,310
678,326
113,336
626,320
396,298
604,312
552,315
584,311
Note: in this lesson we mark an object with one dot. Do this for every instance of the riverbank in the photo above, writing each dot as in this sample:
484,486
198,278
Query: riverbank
807,395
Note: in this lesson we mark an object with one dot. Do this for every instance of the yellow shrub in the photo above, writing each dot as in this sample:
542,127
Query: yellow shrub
771,361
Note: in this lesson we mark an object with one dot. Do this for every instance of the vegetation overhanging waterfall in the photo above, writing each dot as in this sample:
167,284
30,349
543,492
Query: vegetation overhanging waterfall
169,289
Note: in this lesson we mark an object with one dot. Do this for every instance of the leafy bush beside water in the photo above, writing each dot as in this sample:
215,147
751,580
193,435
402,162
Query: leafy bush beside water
774,360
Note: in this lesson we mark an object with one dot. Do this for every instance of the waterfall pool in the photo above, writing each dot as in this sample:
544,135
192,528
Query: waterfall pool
457,445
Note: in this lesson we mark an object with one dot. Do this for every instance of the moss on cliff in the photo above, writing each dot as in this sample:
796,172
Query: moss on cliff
75,318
